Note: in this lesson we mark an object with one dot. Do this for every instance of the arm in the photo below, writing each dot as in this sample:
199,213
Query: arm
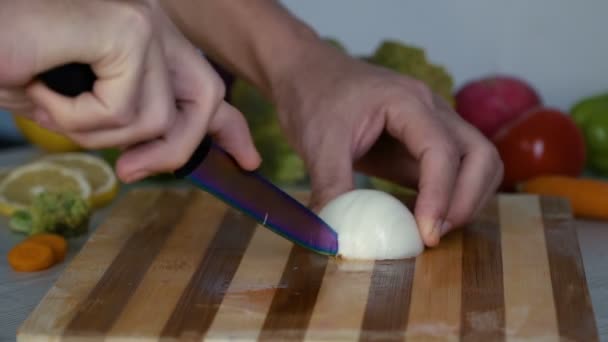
255,39
398,130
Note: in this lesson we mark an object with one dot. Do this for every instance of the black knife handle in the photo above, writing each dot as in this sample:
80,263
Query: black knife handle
76,78
70,79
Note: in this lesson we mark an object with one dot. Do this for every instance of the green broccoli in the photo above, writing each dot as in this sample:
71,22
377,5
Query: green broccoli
280,163
63,213
412,61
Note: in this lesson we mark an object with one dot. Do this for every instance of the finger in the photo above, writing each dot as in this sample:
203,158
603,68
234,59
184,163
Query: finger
110,104
43,119
198,97
16,101
230,130
474,183
331,171
498,176
155,111
480,171
429,142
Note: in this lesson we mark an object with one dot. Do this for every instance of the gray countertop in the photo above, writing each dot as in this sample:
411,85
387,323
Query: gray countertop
20,293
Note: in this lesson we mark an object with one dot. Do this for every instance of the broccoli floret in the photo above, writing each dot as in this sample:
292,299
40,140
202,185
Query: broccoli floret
280,163
64,213
412,61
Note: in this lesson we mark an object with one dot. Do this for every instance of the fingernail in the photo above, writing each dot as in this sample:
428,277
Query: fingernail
444,228
430,229
135,176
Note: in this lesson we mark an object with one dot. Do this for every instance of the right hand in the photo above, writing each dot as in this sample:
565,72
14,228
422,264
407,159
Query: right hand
155,95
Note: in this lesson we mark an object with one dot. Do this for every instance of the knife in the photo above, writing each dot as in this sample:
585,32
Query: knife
213,170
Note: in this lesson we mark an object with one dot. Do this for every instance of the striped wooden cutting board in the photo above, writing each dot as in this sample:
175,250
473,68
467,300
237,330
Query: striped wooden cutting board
179,264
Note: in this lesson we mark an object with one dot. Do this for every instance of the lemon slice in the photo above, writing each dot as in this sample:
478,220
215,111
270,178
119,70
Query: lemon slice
41,137
22,183
99,174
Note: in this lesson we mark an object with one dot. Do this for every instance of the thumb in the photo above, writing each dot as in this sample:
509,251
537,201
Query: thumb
331,173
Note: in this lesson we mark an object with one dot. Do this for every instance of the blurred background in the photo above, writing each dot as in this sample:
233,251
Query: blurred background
559,46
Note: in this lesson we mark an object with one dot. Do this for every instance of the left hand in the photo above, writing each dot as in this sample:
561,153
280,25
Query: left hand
343,114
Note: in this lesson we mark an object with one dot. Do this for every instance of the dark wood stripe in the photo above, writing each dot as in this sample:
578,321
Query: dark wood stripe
98,312
388,301
575,317
201,299
295,297
482,279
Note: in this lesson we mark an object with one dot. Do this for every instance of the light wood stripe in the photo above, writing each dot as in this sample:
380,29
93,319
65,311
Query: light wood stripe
575,316
341,303
435,305
295,297
57,308
483,306
98,312
388,301
530,309
250,294
200,300
152,303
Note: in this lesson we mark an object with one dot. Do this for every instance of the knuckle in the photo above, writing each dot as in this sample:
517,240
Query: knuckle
178,159
489,153
217,90
159,125
119,117
422,90
450,151
138,17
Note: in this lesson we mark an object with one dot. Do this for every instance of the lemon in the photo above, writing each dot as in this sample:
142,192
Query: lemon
24,182
43,138
98,173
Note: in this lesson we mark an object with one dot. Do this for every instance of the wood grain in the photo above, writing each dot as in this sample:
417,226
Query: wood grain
57,308
483,304
574,311
528,292
388,301
342,301
436,293
201,299
170,272
295,297
98,312
211,273
250,293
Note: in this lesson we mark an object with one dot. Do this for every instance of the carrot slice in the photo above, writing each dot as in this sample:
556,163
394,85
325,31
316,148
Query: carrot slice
588,197
58,244
30,256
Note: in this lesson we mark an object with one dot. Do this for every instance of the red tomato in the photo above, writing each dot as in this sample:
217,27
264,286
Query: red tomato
543,141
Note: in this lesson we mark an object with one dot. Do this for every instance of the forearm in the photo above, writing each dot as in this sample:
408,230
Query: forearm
258,40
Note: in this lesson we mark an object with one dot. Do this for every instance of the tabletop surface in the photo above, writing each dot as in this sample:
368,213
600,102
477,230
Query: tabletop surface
20,293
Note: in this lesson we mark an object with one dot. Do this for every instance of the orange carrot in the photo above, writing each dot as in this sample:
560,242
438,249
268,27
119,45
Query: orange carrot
30,256
58,244
588,197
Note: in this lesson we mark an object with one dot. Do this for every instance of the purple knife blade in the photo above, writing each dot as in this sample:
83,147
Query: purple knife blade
214,170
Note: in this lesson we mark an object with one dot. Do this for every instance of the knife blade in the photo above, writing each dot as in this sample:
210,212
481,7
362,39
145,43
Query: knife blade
213,170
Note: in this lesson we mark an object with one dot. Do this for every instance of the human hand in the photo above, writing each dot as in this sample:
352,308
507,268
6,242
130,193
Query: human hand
342,114
155,96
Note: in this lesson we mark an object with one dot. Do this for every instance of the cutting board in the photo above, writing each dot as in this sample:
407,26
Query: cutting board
177,264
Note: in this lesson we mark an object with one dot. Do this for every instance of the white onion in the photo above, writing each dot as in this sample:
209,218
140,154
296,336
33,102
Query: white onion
372,225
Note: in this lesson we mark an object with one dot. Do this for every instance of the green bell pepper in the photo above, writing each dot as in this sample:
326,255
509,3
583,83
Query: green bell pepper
591,116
